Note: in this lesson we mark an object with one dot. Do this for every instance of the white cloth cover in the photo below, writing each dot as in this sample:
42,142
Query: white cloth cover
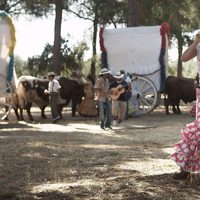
135,50
4,51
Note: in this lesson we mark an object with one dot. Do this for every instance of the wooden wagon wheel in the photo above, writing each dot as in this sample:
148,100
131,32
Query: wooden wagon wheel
148,95
5,93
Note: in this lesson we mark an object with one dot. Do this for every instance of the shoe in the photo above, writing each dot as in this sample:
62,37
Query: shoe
181,175
108,127
119,121
114,122
102,127
56,119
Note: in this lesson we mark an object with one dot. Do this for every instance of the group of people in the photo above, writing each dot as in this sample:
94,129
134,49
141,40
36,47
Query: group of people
113,94
87,106
187,150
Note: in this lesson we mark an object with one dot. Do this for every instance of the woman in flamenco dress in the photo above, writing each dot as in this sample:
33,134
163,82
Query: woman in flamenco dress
187,150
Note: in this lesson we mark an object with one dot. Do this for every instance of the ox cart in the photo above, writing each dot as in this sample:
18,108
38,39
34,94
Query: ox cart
7,45
141,52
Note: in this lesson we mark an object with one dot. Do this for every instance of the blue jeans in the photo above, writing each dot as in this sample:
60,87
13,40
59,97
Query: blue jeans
105,113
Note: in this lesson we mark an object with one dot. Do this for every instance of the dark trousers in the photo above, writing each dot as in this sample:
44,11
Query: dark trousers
105,113
74,105
53,104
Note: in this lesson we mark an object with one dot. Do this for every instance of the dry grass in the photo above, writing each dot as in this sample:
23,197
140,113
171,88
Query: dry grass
75,159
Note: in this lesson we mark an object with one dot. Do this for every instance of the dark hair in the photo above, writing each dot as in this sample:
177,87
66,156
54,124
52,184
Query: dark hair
89,77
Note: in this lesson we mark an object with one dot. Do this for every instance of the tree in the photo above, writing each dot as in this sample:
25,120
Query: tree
98,12
181,15
21,67
42,8
57,37
71,59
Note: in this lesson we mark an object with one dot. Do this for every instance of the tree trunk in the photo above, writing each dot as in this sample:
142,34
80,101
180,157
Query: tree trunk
94,51
180,50
133,13
57,37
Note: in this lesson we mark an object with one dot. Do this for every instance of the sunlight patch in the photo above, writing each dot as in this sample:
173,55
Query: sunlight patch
53,128
78,127
32,155
150,166
4,137
104,146
14,129
62,187
169,150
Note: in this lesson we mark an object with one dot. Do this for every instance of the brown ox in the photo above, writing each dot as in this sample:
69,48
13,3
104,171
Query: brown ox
28,93
12,99
31,90
178,88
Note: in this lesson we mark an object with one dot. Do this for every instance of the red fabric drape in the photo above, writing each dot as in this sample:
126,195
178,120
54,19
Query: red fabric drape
165,29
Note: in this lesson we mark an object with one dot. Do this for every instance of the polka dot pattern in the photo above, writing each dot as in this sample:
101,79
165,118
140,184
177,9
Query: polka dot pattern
187,148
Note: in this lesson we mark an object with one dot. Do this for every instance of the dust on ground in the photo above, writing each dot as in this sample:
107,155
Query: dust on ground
74,159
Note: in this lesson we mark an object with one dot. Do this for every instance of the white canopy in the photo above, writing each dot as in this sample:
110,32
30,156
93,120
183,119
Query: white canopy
135,50
4,47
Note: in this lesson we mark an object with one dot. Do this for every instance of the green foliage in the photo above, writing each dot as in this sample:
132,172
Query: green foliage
182,15
189,69
101,11
71,59
86,69
4,5
21,66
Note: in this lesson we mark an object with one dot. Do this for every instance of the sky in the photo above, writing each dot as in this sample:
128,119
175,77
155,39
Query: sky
32,35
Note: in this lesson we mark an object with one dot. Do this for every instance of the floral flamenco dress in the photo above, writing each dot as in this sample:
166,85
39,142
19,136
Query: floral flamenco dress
187,150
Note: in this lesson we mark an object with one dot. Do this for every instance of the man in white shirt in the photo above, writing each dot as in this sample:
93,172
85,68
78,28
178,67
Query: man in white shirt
53,91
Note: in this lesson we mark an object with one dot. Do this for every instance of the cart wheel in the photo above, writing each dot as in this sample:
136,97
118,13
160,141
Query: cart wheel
6,92
148,95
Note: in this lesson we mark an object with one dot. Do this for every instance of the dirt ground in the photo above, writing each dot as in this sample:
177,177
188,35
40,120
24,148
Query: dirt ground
74,159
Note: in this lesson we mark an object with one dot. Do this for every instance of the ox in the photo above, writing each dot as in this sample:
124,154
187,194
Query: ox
28,93
12,99
69,89
176,89
31,90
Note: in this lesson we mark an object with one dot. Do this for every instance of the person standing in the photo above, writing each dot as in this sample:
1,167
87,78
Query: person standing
87,107
127,78
74,77
187,150
104,103
53,91
119,87
135,96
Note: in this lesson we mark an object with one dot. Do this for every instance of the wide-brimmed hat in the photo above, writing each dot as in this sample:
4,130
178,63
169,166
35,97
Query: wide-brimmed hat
104,71
118,75
51,74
